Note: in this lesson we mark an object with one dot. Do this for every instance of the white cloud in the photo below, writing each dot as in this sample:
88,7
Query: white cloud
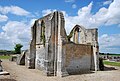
105,16
109,43
32,21
107,2
14,10
37,13
69,0
113,16
83,17
15,32
74,6
48,11
3,18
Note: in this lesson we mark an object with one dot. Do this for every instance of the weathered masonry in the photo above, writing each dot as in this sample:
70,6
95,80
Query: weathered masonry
57,54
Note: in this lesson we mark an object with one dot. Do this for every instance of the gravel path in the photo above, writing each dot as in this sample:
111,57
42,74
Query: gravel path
21,73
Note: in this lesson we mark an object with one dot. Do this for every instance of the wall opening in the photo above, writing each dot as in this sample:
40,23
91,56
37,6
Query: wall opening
42,36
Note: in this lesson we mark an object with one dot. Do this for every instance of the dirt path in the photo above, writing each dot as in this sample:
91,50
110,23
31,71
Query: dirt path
21,73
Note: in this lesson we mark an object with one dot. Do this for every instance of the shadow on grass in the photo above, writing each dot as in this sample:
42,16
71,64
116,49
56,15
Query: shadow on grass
8,80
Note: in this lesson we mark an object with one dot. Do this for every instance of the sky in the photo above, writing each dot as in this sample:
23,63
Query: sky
17,17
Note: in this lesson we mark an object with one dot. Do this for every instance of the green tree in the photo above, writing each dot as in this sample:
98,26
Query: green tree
18,48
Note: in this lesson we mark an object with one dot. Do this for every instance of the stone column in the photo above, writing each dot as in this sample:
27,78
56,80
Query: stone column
60,64
46,58
96,57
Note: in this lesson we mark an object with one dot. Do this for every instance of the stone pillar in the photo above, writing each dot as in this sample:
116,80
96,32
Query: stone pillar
97,47
59,57
32,53
61,70
60,64
96,57
48,73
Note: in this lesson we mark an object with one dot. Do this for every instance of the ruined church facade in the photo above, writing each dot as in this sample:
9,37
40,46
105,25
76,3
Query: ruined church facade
58,54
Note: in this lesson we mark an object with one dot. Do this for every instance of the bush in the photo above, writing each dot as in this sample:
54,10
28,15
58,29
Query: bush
101,64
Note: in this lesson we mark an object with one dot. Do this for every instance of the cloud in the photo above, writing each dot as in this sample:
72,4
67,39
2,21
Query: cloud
69,0
3,18
19,32
15,32
84,17
109,43
107,2
74,6
48,11
113,16
104,16
14,10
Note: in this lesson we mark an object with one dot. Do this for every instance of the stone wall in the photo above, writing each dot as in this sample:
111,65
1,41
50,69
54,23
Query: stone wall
78,57
47,50
43,29
85,36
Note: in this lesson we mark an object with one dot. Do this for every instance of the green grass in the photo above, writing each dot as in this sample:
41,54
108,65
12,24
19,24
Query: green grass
4,57
112,54
111,63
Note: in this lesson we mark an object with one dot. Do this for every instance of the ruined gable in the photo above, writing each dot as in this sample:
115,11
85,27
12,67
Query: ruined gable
55,53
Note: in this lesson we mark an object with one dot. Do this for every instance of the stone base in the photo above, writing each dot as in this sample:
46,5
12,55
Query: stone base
4,73
13,58
62,74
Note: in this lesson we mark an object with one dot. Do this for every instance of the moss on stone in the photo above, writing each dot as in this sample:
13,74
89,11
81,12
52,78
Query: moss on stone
43,33
70,35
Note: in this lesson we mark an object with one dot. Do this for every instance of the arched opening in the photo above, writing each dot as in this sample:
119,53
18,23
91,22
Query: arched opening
79,37
76,35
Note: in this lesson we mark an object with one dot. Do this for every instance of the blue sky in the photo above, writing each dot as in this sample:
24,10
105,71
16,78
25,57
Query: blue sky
17,16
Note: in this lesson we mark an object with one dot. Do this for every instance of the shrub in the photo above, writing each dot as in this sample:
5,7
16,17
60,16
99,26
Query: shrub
101,64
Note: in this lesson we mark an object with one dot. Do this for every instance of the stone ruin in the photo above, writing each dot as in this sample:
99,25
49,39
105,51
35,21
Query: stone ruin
58,54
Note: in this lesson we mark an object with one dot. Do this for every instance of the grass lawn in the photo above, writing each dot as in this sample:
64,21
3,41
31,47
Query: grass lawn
111,63
4,57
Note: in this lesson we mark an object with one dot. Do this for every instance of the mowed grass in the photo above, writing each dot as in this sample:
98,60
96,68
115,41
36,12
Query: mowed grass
111,63
4,57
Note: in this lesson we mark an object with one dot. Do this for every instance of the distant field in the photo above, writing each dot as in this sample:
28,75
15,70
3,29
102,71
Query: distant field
112,63
111,54
4,57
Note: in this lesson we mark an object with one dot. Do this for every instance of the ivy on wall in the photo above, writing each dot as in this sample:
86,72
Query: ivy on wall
43,32
70,35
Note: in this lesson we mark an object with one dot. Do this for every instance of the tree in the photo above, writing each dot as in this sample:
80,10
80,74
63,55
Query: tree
18,48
